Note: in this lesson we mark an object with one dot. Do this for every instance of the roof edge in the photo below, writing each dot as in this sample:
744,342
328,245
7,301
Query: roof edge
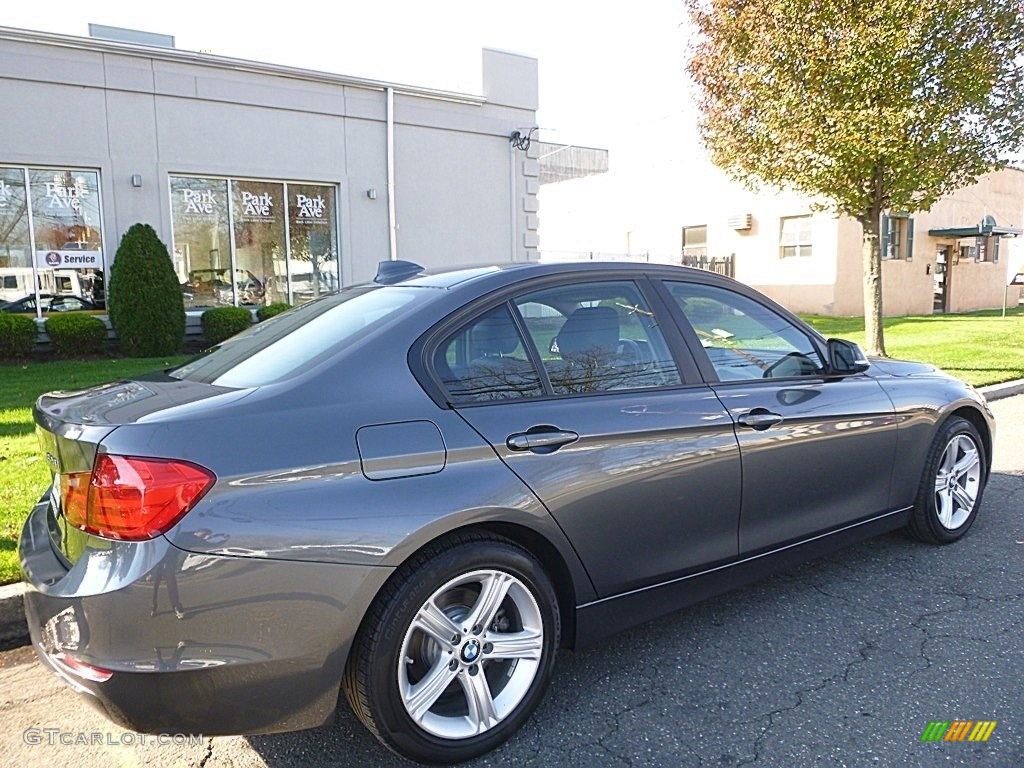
227,62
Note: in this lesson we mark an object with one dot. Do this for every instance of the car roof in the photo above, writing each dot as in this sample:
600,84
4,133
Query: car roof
509,272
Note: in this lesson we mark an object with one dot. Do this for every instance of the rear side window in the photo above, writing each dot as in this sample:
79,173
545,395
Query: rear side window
486,360
284,345
597,337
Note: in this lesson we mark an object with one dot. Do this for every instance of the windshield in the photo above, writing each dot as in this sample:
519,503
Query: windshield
284,345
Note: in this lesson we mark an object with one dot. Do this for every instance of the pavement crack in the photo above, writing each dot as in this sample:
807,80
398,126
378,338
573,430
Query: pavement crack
208,754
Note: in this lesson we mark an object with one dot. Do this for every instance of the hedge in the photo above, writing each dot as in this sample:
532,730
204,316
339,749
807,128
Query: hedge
75,334
17,335
224,322
265,313
146,305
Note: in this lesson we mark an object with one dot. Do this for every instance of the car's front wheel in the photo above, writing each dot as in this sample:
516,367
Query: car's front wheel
456,651
952,484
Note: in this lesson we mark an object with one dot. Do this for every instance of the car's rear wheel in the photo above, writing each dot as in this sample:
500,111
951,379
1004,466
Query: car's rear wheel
952,484
456,651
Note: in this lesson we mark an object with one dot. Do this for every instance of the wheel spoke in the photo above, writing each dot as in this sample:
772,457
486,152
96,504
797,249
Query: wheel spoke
435,623
948,458
479,699
968,462
941,482
421,696
944,504
963,497
493,589
515,645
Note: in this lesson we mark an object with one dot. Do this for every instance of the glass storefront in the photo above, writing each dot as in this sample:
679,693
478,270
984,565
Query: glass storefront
202,241
50,236
253,242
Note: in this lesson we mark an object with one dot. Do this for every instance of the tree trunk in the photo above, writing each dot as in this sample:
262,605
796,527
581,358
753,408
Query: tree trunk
874,341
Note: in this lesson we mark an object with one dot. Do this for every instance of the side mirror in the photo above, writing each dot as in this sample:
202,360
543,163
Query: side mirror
845,358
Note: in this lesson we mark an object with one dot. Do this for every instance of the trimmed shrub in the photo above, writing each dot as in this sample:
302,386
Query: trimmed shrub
702,311
224,322
267,312
76,334
146,305
17,335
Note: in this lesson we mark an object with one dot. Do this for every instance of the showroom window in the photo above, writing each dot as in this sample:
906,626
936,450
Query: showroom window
51,237
253,242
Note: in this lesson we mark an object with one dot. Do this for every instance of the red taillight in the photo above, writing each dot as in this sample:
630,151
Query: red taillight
133,498
83,670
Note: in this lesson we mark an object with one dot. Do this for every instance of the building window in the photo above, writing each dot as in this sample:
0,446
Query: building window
62,252
796,236
253,242
695,240
897,237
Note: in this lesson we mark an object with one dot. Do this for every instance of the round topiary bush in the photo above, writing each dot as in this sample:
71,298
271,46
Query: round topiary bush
145,304
17,335
75,334
264,313
224,322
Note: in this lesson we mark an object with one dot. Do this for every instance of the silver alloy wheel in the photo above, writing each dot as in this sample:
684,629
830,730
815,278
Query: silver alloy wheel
470,654
957,481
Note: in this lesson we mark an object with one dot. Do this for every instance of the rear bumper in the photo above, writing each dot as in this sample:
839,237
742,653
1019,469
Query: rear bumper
195,643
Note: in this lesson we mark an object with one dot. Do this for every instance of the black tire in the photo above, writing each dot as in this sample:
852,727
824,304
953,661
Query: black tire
372,677
925,522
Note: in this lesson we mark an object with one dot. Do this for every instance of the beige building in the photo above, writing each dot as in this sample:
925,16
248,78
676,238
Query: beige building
959,256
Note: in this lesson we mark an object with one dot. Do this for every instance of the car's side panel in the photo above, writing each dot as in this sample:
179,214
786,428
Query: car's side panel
828,463
649,490
602,618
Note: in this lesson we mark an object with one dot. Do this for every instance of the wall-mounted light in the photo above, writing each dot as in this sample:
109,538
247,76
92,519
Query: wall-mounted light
371,193
136,179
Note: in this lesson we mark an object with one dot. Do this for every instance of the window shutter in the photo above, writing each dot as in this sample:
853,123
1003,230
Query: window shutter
883,238
910,239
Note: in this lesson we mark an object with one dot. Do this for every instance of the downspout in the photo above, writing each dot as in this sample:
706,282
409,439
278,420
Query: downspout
512,199
392,223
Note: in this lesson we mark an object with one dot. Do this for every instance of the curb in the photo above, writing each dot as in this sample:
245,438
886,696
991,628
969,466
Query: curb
13,629
999,391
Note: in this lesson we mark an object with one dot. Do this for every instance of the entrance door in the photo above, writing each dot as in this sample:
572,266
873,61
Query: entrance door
943,273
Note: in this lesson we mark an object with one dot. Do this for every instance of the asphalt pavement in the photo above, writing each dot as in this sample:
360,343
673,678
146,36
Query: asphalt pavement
843,661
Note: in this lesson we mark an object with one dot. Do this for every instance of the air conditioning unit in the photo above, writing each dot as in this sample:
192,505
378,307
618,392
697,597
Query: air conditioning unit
739,222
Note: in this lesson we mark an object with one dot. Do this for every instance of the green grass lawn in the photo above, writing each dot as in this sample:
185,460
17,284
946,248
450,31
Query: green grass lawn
978,347
23,473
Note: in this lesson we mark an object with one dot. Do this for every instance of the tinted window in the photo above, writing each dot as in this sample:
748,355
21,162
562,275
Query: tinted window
596,337
285,344
742,338
486,360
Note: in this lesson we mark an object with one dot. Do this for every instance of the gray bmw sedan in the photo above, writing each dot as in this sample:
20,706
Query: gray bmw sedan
415,491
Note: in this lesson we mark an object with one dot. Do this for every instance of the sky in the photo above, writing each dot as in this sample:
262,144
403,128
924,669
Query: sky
611,76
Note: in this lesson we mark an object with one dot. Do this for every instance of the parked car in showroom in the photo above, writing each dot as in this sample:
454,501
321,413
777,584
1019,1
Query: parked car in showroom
416,491
50,302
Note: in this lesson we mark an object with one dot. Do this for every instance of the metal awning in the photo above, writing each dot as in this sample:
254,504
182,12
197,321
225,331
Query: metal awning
987,227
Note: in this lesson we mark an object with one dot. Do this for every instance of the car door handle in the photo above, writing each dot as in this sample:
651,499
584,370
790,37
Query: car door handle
548,439
760,419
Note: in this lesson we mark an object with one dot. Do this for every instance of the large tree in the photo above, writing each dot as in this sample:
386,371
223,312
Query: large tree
867,104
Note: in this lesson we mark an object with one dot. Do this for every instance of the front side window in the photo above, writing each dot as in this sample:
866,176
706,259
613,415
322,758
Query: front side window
485,360
796,236
742,338
597,337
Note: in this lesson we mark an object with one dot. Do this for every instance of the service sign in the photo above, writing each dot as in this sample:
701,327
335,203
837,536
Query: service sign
69,259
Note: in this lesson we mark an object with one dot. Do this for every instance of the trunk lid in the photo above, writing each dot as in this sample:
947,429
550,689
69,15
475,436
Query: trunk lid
71,427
